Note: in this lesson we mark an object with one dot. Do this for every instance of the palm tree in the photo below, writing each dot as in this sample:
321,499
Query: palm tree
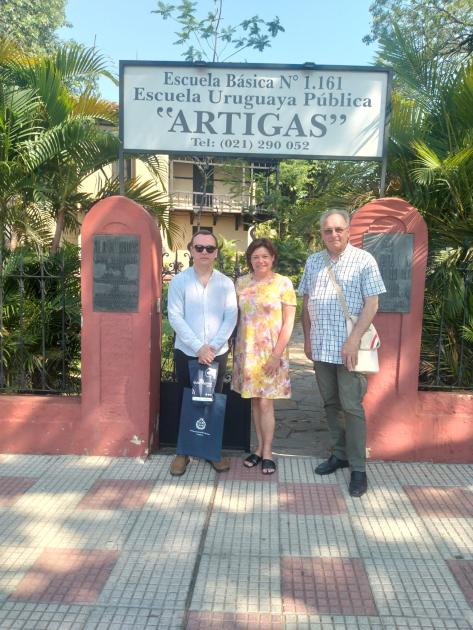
430,165
67,141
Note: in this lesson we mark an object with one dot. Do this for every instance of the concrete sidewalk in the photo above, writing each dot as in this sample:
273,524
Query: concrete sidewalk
96,543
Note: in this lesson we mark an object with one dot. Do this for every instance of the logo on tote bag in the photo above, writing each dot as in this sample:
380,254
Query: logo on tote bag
200,424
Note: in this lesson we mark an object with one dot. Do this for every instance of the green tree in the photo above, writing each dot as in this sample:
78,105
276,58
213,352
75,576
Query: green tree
430,165
32,24
52,139
446,27
209,38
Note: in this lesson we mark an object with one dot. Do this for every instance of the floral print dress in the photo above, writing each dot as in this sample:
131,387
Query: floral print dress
260,305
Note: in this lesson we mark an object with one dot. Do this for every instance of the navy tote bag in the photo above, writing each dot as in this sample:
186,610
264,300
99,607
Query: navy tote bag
201,427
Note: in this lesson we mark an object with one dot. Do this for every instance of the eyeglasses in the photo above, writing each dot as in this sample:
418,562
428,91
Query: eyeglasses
208,248
337,230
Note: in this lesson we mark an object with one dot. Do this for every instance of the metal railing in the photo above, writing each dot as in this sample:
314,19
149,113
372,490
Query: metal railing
210,202
39,323
447,341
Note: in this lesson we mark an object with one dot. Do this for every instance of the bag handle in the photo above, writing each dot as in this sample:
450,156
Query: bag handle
333,278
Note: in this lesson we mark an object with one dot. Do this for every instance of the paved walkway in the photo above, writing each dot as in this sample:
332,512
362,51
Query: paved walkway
112,543
301,428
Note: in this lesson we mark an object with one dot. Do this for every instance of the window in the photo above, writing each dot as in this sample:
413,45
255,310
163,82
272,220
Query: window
129,168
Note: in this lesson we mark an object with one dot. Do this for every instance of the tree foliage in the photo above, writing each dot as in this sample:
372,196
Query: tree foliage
430,165
52,139
32,24
209,38
446,27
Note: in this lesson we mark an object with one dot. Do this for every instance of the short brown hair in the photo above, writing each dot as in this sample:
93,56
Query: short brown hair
260,242
202,233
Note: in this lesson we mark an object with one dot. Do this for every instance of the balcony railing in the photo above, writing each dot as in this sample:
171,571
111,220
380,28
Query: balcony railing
210,202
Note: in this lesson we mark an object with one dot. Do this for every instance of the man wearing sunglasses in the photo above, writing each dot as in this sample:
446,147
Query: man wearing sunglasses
326,342
202,310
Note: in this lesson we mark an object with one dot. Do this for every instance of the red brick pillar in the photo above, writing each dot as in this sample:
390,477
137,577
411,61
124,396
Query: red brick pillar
394,431
121,330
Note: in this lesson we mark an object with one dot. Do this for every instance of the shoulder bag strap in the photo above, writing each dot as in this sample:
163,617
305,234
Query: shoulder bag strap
333,278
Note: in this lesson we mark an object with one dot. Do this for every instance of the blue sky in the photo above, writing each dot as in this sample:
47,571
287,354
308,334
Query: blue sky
322,31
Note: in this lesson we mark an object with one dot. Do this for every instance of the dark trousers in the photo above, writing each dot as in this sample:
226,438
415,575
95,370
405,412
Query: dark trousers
181,363
342,394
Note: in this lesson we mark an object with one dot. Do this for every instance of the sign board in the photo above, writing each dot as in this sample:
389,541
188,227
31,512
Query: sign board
262,110
116,273
393,253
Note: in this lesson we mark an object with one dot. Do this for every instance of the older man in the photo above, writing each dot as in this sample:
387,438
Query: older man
326,342
202,310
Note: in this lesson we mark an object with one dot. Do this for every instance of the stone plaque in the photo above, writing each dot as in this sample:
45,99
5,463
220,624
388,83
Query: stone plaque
393,253
116,273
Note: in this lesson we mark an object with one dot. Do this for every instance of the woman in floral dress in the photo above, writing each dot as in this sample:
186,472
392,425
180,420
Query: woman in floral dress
267,306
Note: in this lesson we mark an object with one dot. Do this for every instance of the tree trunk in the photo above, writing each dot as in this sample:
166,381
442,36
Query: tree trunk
61,215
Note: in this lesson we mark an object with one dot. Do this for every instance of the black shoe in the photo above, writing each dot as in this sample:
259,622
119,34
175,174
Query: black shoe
358,484
331,465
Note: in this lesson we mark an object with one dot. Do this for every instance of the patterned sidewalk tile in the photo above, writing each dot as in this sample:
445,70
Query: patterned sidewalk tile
227,583
463,573
36,616
236,621
254,533
311,498
381,500
149,580
172,531
239,472
415,588
320,536
453,537
440,502
48,503
153,468
12,488
75,529
426,474
121,618
243,497
86,467
326,586
95,529
301,470
174,494
69,576
25,530
337,622
14,564
117,494
26,465
390,537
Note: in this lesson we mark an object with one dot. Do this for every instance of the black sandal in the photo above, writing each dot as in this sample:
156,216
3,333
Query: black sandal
251,461
268,467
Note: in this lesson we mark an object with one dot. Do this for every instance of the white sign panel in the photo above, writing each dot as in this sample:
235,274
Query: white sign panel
259,110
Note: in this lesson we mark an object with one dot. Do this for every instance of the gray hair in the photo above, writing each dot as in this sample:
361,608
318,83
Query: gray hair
339,211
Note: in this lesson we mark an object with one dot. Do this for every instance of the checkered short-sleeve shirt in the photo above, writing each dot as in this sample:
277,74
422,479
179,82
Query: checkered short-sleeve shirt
358,275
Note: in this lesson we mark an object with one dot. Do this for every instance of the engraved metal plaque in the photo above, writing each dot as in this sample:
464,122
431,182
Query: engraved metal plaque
116,273
393,253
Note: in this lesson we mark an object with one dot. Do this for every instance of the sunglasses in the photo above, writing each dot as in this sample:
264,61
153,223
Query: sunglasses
337,230
208,248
